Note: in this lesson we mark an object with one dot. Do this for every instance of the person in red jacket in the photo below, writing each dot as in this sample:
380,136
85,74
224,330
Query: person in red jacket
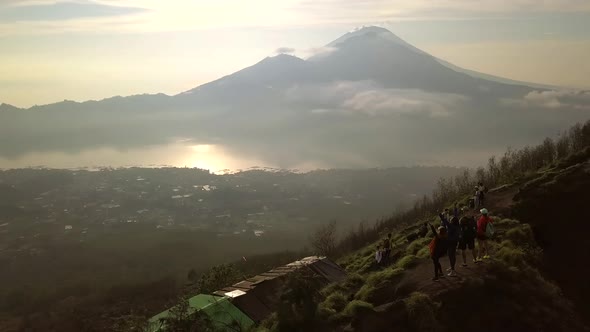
482,239
438,248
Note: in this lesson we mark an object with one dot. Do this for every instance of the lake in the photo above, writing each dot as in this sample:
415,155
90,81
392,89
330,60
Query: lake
215,158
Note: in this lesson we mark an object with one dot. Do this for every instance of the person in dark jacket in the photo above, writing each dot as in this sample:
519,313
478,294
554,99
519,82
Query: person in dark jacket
438,248
467,238
386,249
423,231
482,193
453,234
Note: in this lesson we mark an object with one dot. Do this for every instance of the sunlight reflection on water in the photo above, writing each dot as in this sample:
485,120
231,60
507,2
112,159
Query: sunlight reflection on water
180,154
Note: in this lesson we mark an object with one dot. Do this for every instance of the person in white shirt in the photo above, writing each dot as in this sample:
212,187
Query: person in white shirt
378,255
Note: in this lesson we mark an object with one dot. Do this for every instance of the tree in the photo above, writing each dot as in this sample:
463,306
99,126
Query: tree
218,277
299,302
192,275
184,319
324,239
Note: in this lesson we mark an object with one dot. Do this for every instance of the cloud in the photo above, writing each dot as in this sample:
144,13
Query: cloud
285,50
368,98
185,15
320,52
554,99
384,9
401,101
59,11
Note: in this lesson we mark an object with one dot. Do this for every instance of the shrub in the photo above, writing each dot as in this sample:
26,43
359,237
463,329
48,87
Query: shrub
383,275
506,222
269,324
336,301
362,264
521,235
350,284
377,281
407,262
326,313
418,245
511,255
366,292
423,253
354,280
422,312
354,307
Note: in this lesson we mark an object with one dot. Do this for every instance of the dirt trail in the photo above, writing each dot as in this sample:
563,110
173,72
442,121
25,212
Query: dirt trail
499,202
419,279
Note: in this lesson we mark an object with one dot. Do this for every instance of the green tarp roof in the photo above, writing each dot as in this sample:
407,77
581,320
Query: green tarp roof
220,311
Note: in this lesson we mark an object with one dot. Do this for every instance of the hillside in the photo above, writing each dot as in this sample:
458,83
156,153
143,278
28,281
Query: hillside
532,282
507,293
519,289
535,280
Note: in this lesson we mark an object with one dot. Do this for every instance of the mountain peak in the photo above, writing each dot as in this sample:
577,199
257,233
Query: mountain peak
369,32
282,57
8,107
369,28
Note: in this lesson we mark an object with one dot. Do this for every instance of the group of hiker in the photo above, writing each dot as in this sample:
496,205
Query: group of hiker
460,230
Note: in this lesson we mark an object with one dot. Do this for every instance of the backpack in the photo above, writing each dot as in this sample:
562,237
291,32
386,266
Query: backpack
490,230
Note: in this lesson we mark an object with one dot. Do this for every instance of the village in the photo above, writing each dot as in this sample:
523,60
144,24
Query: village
42,205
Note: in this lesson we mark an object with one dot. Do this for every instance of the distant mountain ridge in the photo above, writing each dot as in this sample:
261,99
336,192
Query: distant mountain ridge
368,99
368,53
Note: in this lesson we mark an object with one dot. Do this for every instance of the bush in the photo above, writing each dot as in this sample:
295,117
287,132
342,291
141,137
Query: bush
377,281
422,312
510,255
384,275
365,293
361,263
354,280
354,307
418,245
350,285
336,301
521,235
506,222
407,262
423,253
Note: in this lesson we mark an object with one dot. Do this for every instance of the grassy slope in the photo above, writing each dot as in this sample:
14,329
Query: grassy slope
507,293
556,205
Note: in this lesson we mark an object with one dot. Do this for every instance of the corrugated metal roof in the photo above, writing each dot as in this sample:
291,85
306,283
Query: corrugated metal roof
258,296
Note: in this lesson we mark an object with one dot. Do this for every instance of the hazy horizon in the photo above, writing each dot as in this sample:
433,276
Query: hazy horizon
73,50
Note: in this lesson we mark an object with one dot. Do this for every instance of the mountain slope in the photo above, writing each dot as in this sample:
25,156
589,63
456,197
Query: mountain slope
370,53
518,288
555,204
357,104
8,108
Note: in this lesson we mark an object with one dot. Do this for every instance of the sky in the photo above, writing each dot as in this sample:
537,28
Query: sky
89,50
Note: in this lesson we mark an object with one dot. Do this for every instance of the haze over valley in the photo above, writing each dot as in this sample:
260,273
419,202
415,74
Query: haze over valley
355,104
